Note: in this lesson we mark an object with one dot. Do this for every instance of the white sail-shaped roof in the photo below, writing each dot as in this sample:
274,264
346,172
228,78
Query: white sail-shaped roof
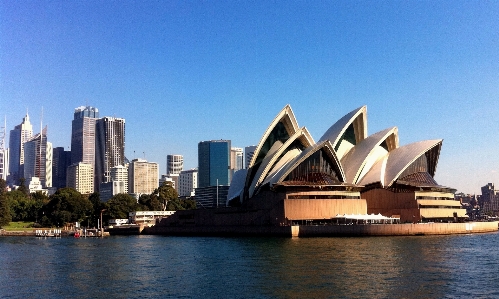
359,160
302,136
354,123
287,155
287,119
402,157
389,169
328,148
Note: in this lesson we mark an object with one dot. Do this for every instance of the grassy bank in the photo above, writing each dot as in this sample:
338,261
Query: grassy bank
18,226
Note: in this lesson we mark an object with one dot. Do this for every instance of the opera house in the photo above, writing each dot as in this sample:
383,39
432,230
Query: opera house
345,176
346,172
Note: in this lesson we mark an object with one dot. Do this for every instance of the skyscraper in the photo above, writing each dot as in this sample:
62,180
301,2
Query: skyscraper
83,135
109,147
4,155
38,159
174,164
214,163
61,159
18,137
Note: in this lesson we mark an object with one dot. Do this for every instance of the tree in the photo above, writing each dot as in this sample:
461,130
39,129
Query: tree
5,216
120,205
166,193
22,186
98,206
18,205
40,199
66,206
150,202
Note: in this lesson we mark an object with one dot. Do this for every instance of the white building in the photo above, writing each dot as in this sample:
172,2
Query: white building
148,217
18,136
236,159
4,163
188,182
38,159
4,155
34,185
174,164
120,174
143,177
80,176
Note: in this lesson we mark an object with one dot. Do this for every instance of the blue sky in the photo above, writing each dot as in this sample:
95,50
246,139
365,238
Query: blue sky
184,72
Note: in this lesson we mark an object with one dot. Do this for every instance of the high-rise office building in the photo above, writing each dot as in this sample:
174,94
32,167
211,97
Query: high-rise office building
80,176
83,135
214,163
248,154
174,164
4,155
38,159
21,133
61,160
143,177
109,147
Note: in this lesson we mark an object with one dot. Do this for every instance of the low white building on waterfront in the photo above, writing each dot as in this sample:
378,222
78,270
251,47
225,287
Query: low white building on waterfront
148,217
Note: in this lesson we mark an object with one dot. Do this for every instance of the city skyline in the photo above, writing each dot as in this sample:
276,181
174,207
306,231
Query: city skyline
181,73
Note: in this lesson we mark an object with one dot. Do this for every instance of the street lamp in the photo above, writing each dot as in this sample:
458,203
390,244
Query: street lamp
101,223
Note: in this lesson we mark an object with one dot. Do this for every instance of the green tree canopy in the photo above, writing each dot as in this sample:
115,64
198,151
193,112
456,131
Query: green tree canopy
22,186
180,204
98,206
120,205
165,193
5,216
150,202
66,206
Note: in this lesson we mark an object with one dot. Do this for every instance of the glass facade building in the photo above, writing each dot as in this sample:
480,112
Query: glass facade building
61,160
83,135
214,163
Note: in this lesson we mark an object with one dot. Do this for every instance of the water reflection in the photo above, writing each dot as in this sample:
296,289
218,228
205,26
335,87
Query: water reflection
176,267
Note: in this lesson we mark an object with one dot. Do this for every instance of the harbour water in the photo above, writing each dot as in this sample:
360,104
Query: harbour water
450,266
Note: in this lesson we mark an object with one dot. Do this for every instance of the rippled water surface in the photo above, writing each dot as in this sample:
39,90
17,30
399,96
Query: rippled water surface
458,266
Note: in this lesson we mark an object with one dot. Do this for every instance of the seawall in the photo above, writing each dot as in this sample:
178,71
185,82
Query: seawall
327,230
408,229
33,232
273,231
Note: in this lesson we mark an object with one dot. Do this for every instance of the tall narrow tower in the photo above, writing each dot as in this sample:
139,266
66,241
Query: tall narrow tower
4,154
38,159
18,136
83,135
109,147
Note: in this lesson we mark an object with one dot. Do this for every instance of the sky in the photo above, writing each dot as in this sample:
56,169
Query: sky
181,72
